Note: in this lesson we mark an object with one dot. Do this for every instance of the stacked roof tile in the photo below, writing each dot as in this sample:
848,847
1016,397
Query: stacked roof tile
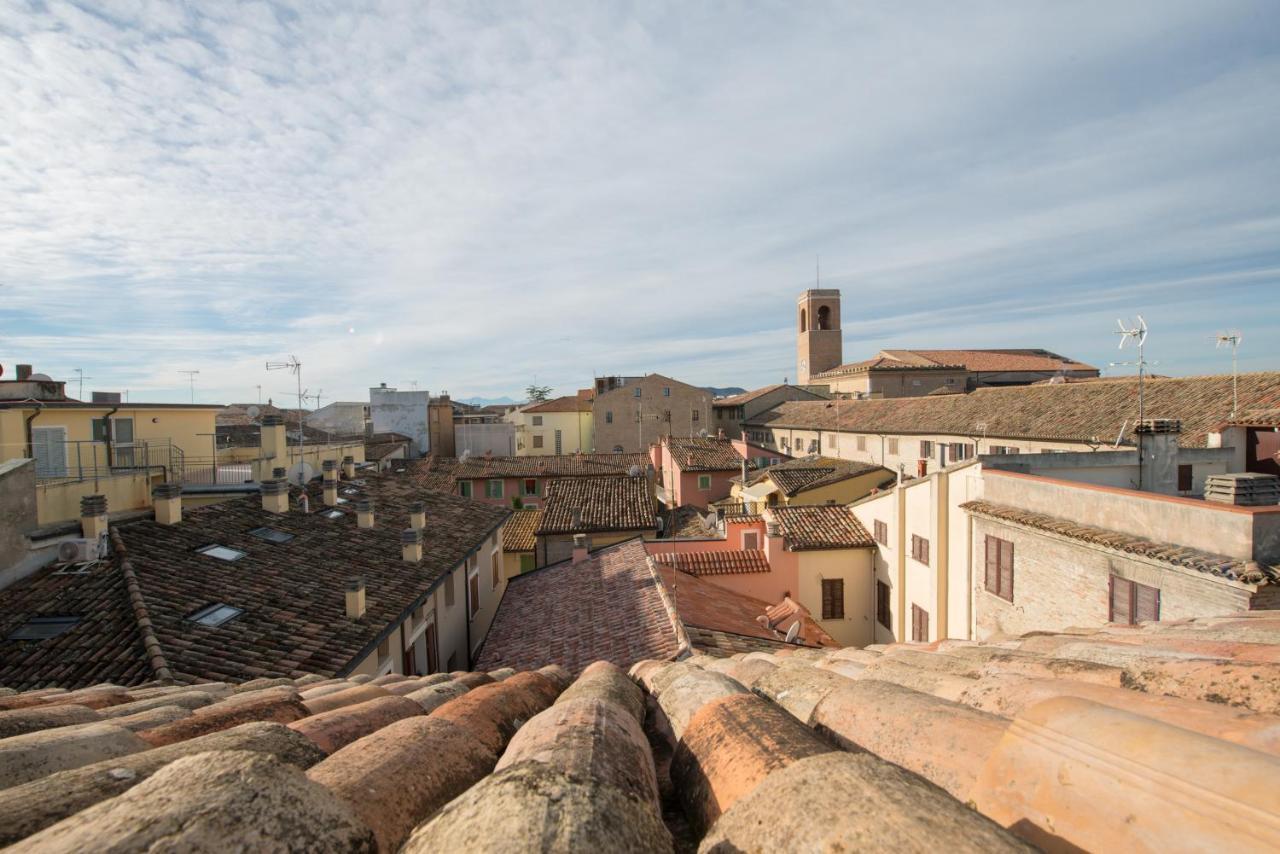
560,465
715,562
290,593
568,403
519,534
824,526
1160,736
1083,412
598,504
708,454
799,475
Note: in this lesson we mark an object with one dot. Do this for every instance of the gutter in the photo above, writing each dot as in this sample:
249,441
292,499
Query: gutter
31,448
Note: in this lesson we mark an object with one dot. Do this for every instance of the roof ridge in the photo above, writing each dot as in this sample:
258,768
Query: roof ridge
142,617
684,646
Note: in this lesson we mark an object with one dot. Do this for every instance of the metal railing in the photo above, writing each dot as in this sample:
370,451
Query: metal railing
81,460
209,471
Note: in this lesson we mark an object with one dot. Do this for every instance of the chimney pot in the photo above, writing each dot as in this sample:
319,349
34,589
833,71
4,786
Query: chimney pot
279,473
272,421
772,529
24,372
364,513
581,547
166,500
411,545
331,493
418,514
275,496
93,516
349,467
355,598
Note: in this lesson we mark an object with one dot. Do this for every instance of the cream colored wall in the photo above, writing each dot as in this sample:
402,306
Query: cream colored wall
180,426
921,587
886,559
576,434
855,567
490,595
59,501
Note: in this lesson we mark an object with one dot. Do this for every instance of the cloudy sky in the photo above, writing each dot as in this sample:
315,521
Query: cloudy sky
473,195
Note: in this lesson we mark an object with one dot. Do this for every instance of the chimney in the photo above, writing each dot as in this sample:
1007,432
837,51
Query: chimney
411,544
330,468
355,599
330,493
93,516
271,439
279,473
349,467
166,499
580,548
1158,454
275,496
720,433
364,513
772,528
418,515
24,373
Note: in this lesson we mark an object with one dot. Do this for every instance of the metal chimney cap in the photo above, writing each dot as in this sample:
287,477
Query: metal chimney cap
348,459
411,536
273,421
417,507
279,473
355,584
329,465
93,505
275,487
166,490
364,505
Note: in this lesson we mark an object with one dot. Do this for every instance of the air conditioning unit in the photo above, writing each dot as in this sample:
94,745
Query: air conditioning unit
81,549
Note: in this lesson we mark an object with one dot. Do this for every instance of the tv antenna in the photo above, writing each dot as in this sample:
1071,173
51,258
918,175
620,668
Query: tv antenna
1137,334
259,388
414,383
81,377
316,397
191,377
1232,340
293,366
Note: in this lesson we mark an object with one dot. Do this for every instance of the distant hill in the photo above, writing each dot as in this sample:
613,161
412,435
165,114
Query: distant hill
725,392
488,401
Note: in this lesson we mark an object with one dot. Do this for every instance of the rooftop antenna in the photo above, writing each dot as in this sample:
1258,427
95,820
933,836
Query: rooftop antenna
81,377
1232,340
191,377
259,388
293,366
1138,334
316,398
414,384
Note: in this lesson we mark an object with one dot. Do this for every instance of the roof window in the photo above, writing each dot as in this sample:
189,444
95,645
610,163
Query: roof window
43,628
271,535
221,552
215,614
333,514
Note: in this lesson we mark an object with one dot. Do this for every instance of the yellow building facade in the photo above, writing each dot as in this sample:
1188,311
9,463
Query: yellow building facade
560,426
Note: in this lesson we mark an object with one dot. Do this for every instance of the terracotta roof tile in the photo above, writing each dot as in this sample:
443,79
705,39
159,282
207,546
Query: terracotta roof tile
560,465
715,562
705,454
519,534
826,526
587,504
568,403
1101,411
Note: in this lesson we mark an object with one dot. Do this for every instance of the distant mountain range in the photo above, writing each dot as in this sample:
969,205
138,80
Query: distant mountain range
488,401
724,392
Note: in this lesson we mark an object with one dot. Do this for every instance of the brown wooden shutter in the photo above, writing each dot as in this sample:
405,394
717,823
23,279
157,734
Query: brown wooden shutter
883,615
1006,568
993,564
1121,593
1146,603
833,598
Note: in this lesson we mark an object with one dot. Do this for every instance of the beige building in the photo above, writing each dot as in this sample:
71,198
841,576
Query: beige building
560,426
632,413
805,482
729,413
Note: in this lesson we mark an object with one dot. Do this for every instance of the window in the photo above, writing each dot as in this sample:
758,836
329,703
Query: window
926,449
271,535
1184,478
833,598
493,488
464,488
884,616
530,486
608,416
617,449
1133,603
493,566
473,595
448,591
704,482
215,614
920,549
221,552
697,415
751,540
559,443
893,447
960,451
999,578
919,624
773,461
537,421
43,628
526,563
537,441
666,391
862,443
666,415
882,532
333,514
636,391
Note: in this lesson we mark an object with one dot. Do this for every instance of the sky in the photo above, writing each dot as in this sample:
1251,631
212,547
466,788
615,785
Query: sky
476,196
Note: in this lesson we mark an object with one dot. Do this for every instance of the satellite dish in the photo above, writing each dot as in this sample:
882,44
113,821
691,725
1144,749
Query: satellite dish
253,411
702,433
41,378
793,632
301,473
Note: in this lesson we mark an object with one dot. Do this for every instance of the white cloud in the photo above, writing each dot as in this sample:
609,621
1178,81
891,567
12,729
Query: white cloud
487,194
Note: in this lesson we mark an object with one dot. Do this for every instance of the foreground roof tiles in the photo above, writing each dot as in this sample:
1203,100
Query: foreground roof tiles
715,562
825,526
598,504
1102,411
1165,732
561,465
800,475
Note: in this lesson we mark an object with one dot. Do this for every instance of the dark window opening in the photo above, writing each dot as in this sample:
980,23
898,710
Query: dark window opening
43,628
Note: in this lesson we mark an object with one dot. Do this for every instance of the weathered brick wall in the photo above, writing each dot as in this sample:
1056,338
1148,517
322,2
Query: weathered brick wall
1059,583
633,436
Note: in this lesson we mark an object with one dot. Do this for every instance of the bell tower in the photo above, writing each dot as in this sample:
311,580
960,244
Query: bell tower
819,341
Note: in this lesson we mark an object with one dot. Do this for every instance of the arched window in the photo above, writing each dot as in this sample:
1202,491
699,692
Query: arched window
824,317
802,326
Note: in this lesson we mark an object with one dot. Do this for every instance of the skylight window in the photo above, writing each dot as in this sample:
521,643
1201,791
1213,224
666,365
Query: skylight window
350,491
221,552
271,535
43,628
215,614
342,501
333,514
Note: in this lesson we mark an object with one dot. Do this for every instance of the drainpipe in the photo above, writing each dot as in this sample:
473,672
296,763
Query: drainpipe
31,447
107,431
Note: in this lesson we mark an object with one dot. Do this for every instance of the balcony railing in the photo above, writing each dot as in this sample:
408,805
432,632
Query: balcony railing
80,460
